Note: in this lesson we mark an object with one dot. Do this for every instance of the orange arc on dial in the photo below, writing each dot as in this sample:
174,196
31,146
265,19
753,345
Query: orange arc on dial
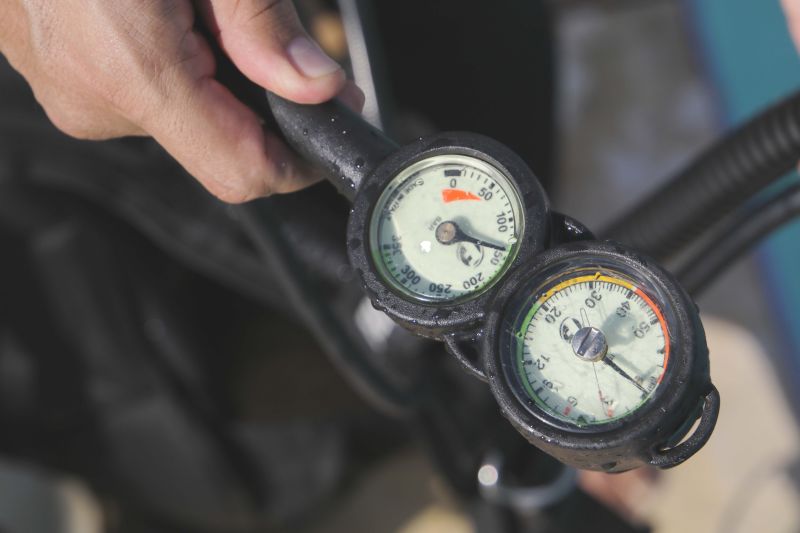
454,195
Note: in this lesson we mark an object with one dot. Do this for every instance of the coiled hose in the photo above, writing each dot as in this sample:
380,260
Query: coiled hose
736,236
719,181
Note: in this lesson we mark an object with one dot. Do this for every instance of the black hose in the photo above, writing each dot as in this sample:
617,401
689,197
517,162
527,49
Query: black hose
333,137
718,182
737,236
343,349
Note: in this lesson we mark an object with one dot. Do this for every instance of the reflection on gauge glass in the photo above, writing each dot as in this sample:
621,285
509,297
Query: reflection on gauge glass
446,228
591,346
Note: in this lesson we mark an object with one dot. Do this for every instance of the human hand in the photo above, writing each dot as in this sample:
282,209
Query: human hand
792,10
109,68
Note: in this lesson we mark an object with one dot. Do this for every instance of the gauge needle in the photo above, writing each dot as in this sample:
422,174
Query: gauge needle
599,392
622,373
448,232
585,318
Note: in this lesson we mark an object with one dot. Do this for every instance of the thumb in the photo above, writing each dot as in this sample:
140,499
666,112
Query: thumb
265,40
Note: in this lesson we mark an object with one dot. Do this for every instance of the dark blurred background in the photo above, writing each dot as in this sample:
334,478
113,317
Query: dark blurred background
156,375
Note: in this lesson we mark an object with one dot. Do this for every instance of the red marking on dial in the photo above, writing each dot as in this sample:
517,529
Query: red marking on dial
606,404
454,195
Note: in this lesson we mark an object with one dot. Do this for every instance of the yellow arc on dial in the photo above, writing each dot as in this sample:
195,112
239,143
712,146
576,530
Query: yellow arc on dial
592,348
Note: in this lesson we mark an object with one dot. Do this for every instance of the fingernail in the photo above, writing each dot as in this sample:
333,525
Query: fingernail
309,58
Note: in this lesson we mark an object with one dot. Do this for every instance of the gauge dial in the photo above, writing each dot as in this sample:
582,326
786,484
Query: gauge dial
593,347
446,228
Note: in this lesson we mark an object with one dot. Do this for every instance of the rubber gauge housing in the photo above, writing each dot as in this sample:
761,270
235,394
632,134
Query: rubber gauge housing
598,357
462,196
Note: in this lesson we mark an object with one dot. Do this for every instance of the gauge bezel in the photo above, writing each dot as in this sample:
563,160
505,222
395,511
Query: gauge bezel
628,441
437,318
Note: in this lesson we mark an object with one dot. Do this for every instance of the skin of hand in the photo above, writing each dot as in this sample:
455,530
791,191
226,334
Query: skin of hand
110,68
792,10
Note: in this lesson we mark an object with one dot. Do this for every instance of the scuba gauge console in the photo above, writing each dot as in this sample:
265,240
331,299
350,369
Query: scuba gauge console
594,353
598,357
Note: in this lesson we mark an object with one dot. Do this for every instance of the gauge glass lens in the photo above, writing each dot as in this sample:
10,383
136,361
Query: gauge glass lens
446,228
591,347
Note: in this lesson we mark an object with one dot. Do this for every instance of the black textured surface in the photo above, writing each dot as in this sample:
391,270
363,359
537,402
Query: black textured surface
346,146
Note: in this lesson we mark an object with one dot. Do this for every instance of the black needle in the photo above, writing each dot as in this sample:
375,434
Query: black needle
448,232
622,373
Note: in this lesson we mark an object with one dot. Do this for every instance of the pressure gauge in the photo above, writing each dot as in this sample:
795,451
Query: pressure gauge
437,226
597,356
446,228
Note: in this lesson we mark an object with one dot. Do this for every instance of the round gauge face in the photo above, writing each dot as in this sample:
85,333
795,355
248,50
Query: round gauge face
592,347
446,228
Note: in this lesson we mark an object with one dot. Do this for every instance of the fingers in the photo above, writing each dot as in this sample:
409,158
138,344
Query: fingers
132,68
792,9
221,142
266,41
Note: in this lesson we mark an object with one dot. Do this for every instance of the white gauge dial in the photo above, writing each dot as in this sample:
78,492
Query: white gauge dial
593,348
446,228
